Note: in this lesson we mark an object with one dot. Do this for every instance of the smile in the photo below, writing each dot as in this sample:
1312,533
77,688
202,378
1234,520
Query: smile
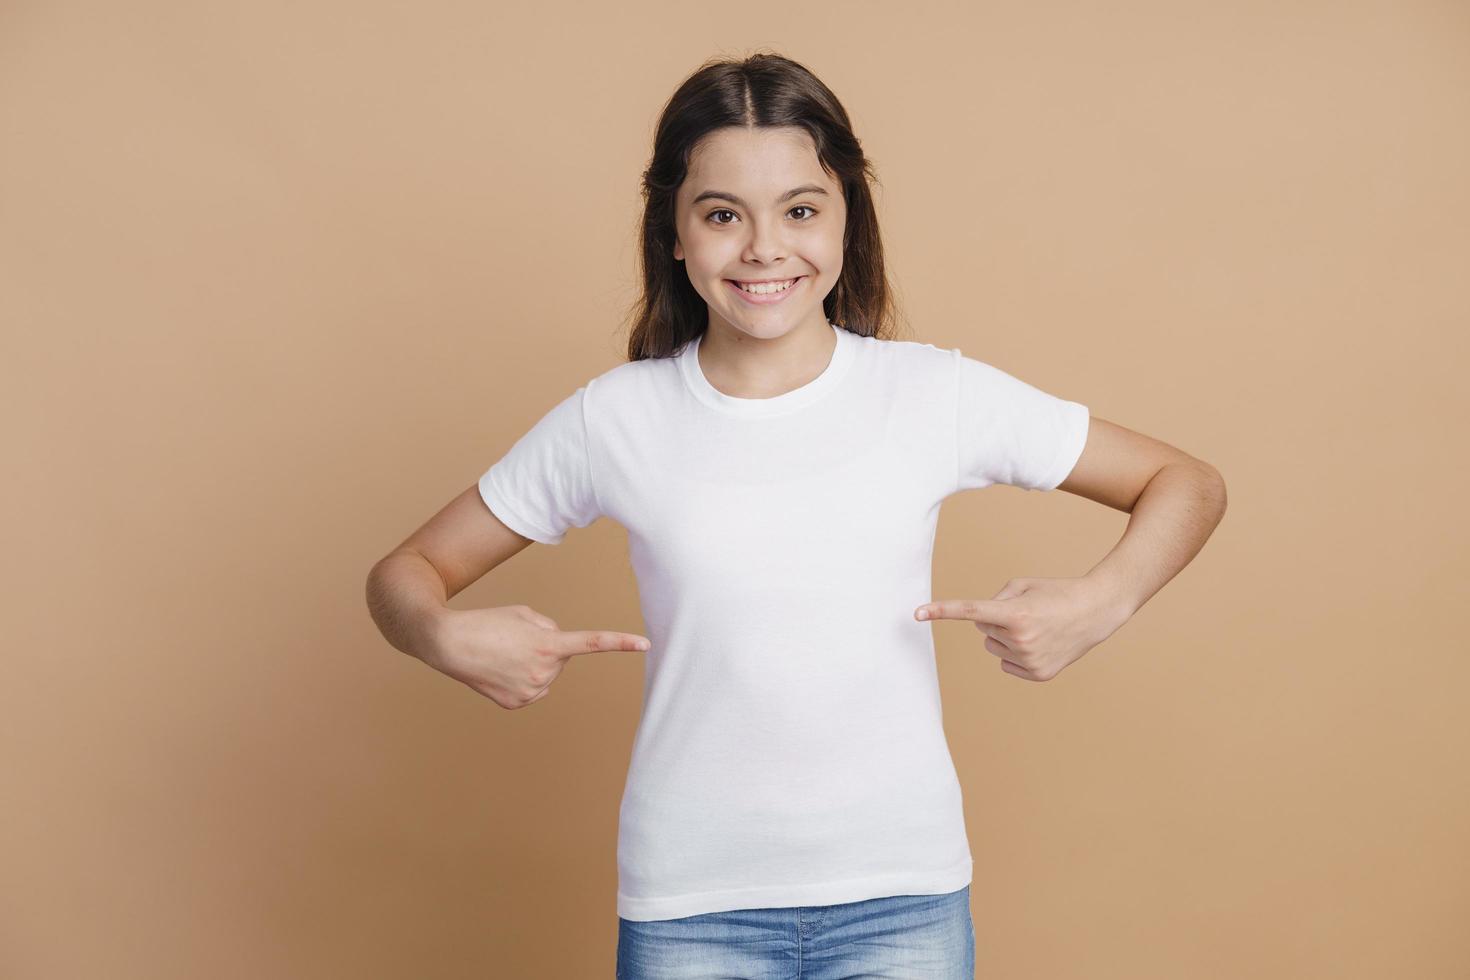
766,293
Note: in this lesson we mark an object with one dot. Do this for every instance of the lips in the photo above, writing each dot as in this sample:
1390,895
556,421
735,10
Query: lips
766,299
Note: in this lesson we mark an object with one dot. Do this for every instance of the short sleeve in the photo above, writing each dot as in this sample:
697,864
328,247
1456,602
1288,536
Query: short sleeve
1011,432
542,486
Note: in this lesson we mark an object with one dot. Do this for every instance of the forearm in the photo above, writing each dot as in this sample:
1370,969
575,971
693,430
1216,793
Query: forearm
1169,524
407,599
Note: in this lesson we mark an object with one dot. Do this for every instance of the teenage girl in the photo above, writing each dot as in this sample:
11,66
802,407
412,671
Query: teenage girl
791,807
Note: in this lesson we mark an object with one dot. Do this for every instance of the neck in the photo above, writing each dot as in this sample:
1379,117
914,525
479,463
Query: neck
742,365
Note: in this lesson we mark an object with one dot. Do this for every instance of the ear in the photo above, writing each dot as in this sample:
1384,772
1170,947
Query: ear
678,250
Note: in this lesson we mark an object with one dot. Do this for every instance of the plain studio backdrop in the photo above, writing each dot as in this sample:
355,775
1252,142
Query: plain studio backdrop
279,280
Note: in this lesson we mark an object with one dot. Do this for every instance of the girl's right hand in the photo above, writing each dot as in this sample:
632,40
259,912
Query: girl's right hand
512,654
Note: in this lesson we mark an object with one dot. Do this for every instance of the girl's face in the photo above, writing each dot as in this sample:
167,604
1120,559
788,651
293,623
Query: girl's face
757,205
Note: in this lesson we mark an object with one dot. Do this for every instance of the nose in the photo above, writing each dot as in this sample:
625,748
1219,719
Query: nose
767,242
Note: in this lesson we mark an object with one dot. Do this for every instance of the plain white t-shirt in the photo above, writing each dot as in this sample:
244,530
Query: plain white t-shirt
790,750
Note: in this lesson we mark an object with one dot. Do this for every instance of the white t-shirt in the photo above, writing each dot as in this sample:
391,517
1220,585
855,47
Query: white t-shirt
790,749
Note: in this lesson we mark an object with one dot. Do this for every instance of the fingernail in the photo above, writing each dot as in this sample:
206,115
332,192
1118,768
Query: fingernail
923,614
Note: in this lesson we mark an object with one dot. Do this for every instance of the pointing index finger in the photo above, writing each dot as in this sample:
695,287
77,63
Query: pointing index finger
990,612
573,643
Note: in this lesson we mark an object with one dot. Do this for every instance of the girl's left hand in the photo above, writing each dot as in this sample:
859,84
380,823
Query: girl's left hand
1037,626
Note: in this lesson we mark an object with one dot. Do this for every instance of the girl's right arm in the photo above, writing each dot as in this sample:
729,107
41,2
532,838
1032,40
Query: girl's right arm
510,654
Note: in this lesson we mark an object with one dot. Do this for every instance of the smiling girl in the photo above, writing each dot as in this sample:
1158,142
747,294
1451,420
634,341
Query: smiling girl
779,462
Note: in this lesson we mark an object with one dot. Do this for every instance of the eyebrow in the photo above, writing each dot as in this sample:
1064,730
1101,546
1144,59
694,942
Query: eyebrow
794,192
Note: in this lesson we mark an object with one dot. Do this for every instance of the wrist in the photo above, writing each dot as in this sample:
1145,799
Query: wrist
432,645
1116,599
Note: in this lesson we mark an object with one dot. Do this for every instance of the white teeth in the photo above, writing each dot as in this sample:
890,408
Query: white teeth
766,287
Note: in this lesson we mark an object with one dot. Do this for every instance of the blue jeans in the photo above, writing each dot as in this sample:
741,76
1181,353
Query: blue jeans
903,937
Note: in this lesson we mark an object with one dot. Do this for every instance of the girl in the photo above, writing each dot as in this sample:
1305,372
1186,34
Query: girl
791,808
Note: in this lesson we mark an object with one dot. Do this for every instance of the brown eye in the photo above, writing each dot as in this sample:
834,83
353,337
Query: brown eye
800,207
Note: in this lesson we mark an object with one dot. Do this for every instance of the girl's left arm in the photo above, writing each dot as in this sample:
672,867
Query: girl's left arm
1038,626
1175,501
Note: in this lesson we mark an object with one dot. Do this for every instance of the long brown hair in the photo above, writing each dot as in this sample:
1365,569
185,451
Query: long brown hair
758,91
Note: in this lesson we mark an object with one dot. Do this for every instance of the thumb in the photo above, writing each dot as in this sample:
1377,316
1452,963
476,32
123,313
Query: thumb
1013,588
532,616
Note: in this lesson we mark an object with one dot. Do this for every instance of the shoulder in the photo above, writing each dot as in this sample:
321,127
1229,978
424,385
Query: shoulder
892,347
913,359
633,380
632,394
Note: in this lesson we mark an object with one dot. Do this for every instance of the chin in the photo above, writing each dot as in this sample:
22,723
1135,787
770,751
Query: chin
767,329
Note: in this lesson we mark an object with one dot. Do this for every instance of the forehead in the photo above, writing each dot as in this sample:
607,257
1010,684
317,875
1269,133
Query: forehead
736,155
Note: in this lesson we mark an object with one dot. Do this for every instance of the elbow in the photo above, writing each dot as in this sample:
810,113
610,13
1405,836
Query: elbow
1217,479
1216,484
1211,485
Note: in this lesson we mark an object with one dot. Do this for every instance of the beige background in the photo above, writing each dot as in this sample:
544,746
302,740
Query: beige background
279,280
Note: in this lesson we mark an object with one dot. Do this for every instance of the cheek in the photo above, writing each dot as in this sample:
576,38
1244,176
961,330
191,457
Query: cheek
830,261
711,253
